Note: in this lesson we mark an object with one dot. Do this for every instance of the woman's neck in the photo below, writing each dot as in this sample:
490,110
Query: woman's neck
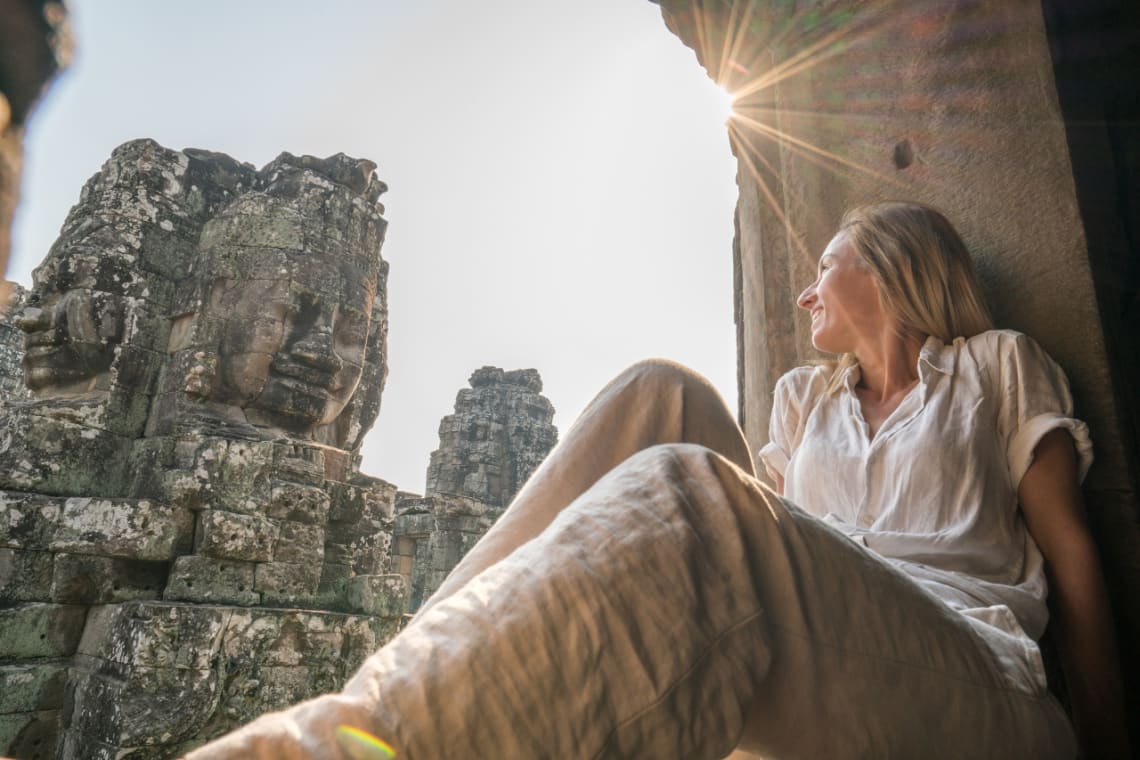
888,366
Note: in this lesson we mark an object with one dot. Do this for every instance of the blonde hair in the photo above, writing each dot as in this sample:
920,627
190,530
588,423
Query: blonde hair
925,275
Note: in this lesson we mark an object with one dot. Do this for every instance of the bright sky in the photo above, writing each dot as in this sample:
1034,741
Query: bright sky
561,185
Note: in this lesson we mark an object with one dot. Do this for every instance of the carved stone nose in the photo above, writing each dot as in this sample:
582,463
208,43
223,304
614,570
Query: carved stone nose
32,318
316,350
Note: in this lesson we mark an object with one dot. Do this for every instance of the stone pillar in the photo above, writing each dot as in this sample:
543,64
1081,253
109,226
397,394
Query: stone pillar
956,105
501,430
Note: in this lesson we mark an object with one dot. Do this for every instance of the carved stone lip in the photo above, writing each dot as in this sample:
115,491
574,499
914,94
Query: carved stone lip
45,337
295,373
41,348
319,390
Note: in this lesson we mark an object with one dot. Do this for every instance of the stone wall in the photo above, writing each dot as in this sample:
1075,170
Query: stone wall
956,105
188,540
501,430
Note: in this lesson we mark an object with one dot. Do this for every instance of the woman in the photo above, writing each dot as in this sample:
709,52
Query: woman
646,596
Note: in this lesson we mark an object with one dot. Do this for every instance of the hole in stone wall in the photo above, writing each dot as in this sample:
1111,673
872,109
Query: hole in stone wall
903,154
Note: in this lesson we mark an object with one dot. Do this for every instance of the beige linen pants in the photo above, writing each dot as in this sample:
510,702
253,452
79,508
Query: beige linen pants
646,597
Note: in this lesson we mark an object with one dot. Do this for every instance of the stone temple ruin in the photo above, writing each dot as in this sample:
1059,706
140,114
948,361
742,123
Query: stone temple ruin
186,538
1017,119
500,432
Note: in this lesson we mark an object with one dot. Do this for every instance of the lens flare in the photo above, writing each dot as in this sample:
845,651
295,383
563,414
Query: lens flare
361,745
728,103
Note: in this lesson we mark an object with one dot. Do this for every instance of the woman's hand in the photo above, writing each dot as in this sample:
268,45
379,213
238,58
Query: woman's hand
1054,514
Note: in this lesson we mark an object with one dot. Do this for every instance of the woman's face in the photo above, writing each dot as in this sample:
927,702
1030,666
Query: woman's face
843,301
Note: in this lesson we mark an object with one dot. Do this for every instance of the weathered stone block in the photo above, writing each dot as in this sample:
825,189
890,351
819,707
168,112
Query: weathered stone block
151,706
30,734
208,471
25,576
41,630
286,583
417,523
13,298
374,501
154,635
362,546
84,578
284,637
298,542
229,535
149,462
301,462
333,587
57,459
32,687
77,744
251,688
363,635
285,685
270,658
380,595
137,529
28,521
134,376
255,221
196,578
299,503
250,632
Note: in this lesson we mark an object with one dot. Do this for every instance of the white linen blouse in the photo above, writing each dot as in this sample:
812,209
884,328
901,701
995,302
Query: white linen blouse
934,492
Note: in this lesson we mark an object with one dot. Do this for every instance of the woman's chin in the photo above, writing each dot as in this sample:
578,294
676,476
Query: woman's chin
821,343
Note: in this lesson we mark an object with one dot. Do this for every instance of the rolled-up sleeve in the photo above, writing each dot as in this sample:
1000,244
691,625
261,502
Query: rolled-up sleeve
1036,400
785,425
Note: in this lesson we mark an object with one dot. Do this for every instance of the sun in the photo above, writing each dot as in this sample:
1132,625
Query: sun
727,103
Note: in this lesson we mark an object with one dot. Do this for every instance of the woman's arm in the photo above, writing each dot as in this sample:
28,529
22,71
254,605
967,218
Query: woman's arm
1054,513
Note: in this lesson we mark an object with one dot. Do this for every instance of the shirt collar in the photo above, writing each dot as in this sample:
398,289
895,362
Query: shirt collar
932,356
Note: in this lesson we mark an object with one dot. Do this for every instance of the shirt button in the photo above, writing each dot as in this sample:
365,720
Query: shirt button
866,520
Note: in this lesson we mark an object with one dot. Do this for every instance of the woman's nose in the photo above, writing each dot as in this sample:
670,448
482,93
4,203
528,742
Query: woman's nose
807,298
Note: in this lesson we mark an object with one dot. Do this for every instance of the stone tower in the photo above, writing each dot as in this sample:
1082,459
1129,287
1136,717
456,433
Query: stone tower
501,430
188,540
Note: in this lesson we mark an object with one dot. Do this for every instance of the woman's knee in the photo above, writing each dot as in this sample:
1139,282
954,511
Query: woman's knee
696,411
665,373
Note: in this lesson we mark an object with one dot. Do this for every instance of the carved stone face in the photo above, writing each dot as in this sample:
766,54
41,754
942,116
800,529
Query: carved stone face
71,325
291,352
